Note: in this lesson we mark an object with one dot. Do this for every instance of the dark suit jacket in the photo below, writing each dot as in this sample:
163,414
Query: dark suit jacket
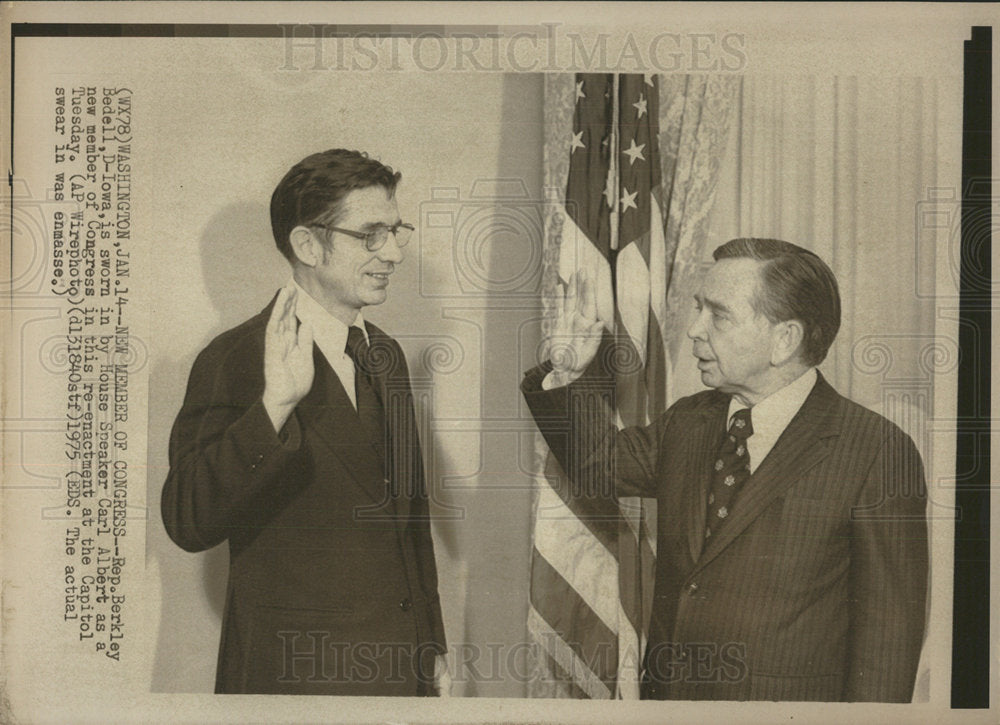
815,587
332,581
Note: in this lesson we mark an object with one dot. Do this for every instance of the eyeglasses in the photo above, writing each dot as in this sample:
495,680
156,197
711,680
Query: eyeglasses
377,237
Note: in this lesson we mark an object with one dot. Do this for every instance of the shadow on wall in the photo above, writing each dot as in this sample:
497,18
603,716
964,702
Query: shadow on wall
240,271
505,283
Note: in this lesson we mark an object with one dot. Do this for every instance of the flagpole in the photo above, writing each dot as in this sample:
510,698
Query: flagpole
613,169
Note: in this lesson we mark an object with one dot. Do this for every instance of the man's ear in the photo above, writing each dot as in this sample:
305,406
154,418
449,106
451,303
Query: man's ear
788,336
307,248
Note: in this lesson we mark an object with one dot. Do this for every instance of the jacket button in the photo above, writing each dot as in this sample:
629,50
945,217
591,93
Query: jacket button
692,588
406,605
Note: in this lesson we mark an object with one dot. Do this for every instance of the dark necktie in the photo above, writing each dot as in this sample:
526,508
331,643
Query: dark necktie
366,395
731,470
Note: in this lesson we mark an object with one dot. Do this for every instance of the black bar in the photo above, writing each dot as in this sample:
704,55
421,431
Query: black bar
970,659
223,30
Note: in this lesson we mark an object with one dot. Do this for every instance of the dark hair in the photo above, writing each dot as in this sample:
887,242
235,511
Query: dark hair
795,284
313,190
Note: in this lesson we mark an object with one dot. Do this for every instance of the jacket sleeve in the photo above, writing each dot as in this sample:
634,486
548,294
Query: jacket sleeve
224,453
888,575
578,424
418,525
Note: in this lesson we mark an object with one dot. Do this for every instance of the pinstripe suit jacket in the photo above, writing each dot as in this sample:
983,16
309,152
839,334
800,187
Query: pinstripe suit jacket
332,580
815,588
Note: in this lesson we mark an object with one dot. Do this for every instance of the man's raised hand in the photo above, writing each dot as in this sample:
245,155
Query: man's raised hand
288,359
578,331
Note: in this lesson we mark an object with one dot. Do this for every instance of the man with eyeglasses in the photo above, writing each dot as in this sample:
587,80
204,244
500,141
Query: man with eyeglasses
297,443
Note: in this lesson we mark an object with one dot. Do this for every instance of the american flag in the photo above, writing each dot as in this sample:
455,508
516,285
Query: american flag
592,561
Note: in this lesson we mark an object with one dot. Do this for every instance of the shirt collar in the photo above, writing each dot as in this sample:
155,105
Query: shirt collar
772,415
329,332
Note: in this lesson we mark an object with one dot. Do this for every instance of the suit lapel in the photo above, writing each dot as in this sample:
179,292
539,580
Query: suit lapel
328,412
799,448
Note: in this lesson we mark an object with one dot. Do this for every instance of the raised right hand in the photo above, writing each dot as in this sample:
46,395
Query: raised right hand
288,359
578,331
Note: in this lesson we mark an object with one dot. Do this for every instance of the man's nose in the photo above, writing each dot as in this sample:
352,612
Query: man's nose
391,251
696,330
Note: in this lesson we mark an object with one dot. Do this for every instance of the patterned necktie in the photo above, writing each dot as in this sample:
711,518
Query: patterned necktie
731,470
369,403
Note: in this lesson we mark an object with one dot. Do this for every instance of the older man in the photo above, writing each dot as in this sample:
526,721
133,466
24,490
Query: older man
792,541
297,444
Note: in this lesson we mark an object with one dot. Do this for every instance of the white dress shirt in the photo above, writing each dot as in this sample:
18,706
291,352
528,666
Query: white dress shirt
330,335
771,416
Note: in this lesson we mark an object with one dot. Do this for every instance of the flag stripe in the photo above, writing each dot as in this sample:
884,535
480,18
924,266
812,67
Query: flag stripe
630,653
630,381
575,623
656,369
633,296
640,554
599,514
563,678
568,547
556,647
628,560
